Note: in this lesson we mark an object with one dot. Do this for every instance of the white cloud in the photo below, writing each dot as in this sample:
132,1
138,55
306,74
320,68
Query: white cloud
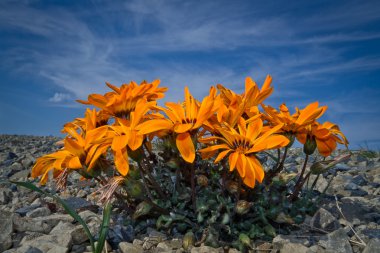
60,97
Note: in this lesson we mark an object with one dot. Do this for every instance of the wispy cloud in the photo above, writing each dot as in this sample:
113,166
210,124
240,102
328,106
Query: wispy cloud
74,49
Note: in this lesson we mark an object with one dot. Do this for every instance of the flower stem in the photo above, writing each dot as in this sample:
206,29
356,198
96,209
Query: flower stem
144,182
151,179
300,180
279,165
192,181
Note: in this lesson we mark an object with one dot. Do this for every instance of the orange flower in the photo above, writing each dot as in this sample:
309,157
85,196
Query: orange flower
183,119
78,151
242,144
326,137
122,101
295,123
234,105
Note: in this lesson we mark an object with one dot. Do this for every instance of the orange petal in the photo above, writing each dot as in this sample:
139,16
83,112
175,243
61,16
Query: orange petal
121,162
119,142
186,147
154,125
232,159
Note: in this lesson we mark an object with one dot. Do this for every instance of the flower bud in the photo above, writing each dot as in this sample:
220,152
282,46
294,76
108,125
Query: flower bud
232,187
242,207
134,188
291,138
188,240
202,180
142,209
309,146
244,239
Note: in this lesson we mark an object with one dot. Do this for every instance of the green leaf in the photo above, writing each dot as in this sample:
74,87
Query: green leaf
104,228
64,204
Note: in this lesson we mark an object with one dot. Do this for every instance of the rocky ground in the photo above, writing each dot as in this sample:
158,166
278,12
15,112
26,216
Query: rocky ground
33,223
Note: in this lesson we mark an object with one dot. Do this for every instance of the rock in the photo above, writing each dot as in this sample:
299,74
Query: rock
323,219
54,219
359,180
49,244
24,210
151,242
33,250
126,247
38,212
20,175
78,204
168,246
16,167
5,196
351,186
75,231
337,241
342,167
264,247
293,248
204,249
28,161
28,224
372,246
6,229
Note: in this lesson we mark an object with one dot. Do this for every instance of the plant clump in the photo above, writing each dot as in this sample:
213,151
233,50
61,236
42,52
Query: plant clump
211,170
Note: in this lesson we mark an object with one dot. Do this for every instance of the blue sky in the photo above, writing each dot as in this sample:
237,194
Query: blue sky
53,52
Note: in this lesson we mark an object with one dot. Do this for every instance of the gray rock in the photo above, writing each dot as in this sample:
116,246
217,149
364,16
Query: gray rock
38,212
16,167
33,250
323,219
372,246
5,195
76,232
54,219
351,186
63,240
126,247
204,249
24,174
337,241
6,229
342,167
359,180
24,210
151,242
293,248
28,224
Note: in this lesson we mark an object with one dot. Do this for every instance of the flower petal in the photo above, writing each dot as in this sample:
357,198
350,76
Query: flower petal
186,147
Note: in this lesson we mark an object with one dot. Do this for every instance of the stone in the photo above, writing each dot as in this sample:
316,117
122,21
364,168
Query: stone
126,247
323,219
20,175
372,246
359,180
38,212
337,241
6,229
204,249
5,195
293,248
63,240
351,186
151,242
54,219
28,224
76,232
24,210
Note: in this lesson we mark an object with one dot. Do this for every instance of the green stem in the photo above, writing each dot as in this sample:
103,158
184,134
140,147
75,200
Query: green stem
315,182
144,181
279,165
300,180
152,180
192,181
